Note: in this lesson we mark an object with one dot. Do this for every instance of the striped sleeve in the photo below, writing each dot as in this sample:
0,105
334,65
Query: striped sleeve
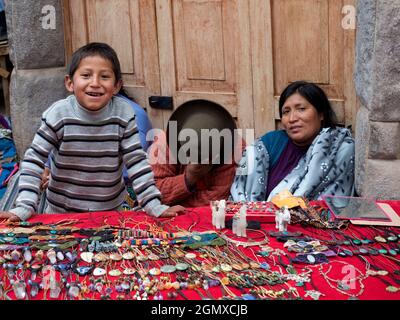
140,171
32,167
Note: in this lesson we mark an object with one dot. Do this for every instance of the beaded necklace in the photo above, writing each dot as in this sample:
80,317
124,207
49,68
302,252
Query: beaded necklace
340,283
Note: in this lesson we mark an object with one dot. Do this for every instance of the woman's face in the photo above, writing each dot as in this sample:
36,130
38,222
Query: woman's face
301,120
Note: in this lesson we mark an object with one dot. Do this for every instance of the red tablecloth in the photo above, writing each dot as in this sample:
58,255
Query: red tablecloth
200,220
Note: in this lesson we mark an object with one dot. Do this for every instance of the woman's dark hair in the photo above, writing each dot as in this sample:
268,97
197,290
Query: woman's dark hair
315,96
95,49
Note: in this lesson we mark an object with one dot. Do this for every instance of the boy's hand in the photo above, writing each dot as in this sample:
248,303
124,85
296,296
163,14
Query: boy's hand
172,212
45,179
8,215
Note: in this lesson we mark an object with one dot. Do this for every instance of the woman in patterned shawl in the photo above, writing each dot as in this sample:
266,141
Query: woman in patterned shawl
310,157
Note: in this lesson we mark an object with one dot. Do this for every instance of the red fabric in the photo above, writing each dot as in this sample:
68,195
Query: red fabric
200,219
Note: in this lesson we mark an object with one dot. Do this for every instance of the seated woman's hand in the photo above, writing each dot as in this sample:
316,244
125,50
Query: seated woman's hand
9,216
172,212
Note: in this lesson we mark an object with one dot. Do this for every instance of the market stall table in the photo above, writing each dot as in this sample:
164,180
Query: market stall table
341,278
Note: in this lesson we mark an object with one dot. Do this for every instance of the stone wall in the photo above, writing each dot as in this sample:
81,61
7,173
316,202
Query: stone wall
377,82
36,41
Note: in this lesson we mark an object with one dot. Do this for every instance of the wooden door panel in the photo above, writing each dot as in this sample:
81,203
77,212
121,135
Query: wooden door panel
210,54
310,44
203,59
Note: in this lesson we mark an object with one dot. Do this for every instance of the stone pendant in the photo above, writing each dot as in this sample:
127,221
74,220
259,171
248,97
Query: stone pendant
73,291
55,291
19,290
27,255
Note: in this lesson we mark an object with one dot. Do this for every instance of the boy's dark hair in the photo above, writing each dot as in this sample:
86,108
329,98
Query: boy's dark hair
95,49
314,95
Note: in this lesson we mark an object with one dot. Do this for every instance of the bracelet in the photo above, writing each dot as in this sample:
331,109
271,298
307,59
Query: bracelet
246,244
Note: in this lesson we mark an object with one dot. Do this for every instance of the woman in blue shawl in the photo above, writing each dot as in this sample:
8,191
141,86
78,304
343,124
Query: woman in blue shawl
310,157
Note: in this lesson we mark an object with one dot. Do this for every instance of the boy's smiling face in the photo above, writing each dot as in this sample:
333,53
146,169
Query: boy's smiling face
93,83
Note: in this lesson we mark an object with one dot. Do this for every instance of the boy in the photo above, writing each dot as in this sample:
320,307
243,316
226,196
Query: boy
91,133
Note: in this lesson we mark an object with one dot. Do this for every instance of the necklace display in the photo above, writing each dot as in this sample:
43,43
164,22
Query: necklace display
144,260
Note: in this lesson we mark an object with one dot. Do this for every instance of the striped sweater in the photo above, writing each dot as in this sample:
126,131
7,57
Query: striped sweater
88,149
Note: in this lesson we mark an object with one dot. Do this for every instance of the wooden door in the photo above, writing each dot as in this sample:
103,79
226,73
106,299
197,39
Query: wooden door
238,53
302,40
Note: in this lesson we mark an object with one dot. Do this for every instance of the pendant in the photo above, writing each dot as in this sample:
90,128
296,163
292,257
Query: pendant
100,257
114,273
236,266
181,266
141,258
71,256
73,291
380,239
87,256
343,286
129,271
34,269
15,255
51,255
168,268
373,252
226,267
60,255
190,255
19,290
153,257
125,286
99,272
83,270
311,258
55,290
155,271
34,289
392,289
128,255
115,257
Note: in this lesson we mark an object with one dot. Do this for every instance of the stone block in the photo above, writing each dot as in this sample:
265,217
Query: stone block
366,12
381,179
385,140
377,76
31,93
362,139
36,33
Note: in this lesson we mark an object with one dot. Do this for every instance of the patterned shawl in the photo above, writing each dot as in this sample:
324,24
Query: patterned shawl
326,168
